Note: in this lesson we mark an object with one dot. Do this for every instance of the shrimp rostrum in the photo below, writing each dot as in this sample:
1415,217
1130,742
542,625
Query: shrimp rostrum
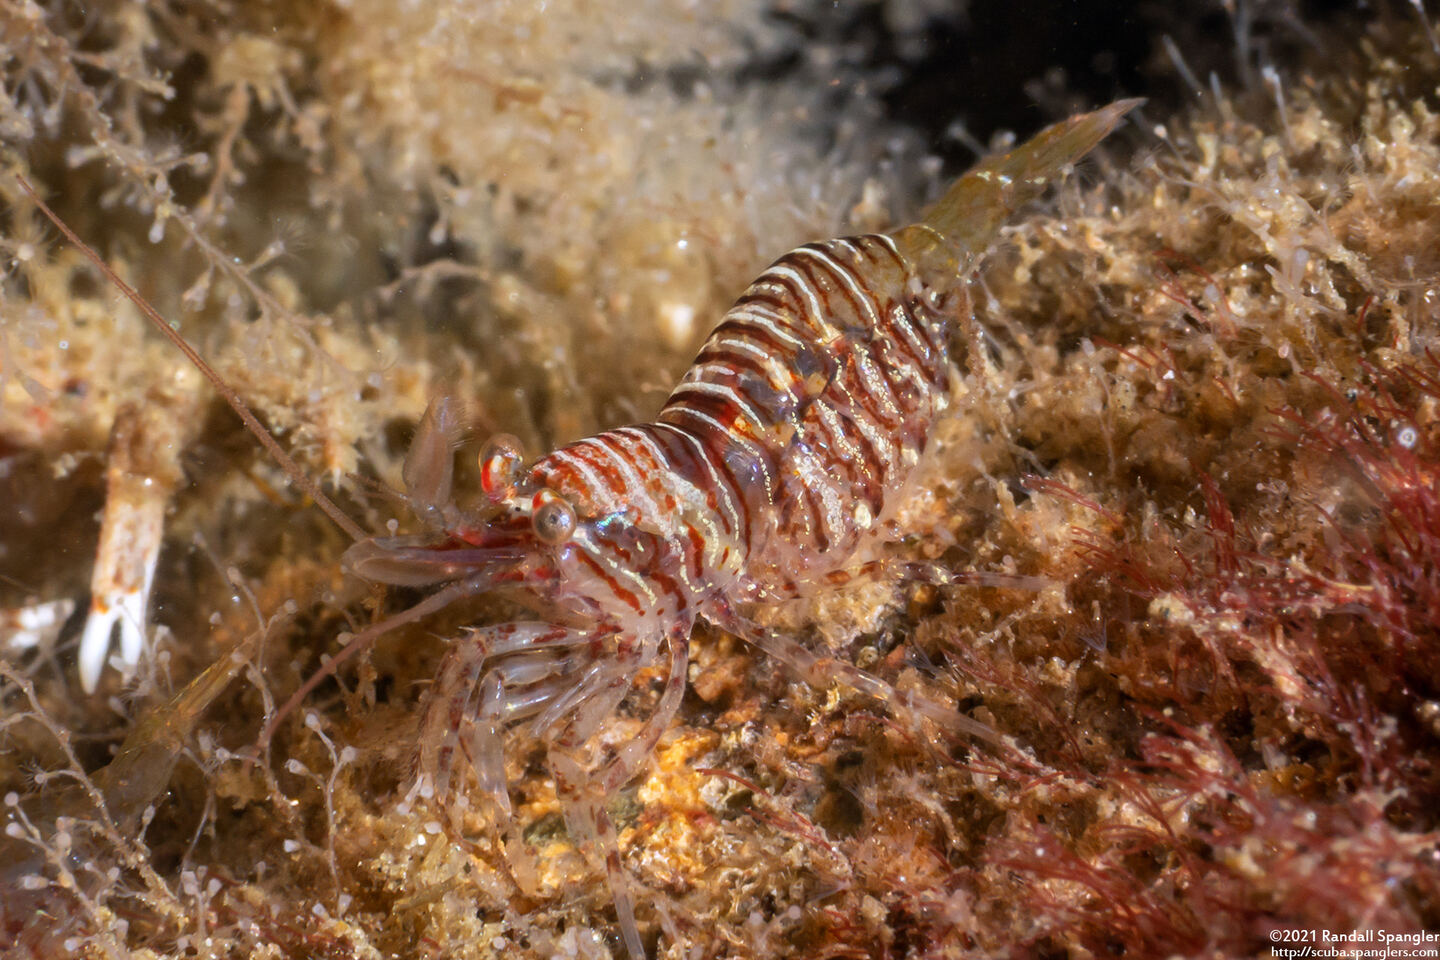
769,472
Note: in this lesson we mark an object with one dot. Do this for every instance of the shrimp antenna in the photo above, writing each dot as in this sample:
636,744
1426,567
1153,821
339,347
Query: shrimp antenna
292,469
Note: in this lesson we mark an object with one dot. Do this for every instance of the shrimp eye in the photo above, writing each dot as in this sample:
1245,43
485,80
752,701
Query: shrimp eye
500,463
552,517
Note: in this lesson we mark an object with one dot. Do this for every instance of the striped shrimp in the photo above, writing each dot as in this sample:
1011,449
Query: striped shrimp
769,473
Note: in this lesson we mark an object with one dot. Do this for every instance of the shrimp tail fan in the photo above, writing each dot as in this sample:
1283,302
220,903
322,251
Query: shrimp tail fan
964,222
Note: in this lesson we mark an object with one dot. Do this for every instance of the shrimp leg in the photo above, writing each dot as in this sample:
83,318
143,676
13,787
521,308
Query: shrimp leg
635,753
467,714
593,830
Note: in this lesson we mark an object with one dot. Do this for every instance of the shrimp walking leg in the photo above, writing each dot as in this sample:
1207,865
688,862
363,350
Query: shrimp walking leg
634,754
468,714
577,713
593,829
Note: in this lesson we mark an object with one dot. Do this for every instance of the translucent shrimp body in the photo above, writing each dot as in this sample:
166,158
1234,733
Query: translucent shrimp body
765,475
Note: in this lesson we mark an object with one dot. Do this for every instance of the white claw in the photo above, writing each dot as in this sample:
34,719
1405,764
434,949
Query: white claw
141,472
130,535
95,643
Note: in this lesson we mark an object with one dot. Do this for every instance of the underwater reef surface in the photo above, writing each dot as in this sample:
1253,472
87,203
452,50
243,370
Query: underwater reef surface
1178,532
